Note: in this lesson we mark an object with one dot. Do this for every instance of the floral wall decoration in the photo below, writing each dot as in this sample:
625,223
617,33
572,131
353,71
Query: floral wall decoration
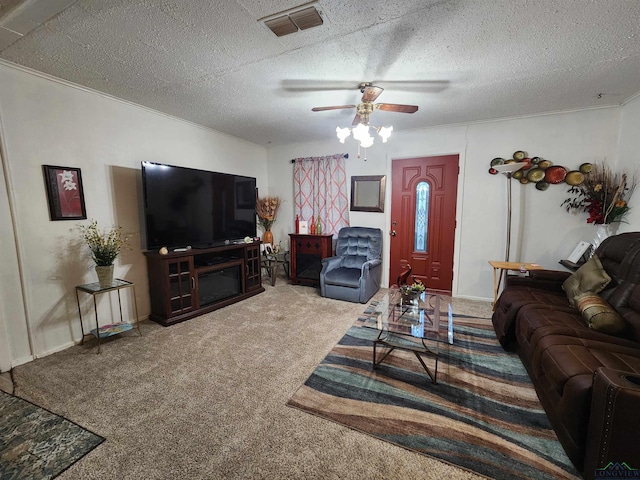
541,172
603,195
64,193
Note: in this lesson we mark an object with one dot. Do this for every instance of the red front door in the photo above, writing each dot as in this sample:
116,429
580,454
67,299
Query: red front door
423,219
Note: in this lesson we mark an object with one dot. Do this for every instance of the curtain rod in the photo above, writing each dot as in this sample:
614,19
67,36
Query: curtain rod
346,155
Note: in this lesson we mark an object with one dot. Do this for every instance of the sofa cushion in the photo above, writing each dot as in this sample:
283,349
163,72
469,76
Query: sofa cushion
599,315
540,326
563,362
345,277
512,300
589,278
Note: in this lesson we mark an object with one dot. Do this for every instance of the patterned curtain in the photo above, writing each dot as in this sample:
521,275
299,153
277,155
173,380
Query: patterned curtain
320,190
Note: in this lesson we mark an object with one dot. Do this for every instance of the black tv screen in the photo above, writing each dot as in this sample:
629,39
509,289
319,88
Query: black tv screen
197,208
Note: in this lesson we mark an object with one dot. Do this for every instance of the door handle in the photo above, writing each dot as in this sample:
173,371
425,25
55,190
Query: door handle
392,233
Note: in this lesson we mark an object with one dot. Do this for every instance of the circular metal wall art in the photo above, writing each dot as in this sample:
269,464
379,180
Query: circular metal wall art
586,167
535,175
574,177
555,174
538,171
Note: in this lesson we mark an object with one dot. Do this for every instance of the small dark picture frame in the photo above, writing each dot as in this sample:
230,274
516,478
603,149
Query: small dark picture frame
64,193
367,193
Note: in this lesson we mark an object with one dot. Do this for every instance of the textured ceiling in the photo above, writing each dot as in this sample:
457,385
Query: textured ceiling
215,64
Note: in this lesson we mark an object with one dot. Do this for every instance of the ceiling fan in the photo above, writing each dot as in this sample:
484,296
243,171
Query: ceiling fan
366,106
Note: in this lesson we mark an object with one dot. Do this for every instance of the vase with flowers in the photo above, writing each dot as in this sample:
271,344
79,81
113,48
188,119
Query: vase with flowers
410,293
105,246
604,196
266,210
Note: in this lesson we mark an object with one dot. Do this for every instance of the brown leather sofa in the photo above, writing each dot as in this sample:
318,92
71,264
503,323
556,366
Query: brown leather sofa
588,382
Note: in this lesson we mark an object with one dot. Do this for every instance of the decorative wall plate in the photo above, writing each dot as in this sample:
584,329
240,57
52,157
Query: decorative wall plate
555,174
574,177
535,175
544,164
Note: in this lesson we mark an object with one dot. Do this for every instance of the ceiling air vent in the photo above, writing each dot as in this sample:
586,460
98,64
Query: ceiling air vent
290,21
307,18
281,26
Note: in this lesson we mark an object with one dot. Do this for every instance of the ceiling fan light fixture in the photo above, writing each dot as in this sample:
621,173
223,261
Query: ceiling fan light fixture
385,133
366,142
342,133
361,132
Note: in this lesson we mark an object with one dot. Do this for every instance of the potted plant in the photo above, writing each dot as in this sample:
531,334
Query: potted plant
266,210
411,292
105,246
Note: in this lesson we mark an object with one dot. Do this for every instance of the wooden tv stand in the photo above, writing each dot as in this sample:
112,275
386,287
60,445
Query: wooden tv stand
185,284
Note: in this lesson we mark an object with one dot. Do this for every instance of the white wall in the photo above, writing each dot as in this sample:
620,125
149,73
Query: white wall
542,231
45,121
629,158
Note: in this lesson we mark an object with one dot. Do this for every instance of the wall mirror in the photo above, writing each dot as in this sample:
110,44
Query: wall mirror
367,193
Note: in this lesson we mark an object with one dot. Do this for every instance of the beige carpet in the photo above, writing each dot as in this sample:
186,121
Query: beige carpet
205,399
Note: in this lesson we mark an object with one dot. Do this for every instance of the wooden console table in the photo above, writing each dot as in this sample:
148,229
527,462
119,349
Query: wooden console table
504,267
307,252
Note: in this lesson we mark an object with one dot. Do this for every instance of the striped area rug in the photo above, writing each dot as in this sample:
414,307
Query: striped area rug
483,415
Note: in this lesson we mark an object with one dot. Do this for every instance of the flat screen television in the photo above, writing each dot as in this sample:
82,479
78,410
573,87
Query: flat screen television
197,208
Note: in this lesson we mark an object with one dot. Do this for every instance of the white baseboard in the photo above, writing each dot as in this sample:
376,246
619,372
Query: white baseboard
480,299
22,360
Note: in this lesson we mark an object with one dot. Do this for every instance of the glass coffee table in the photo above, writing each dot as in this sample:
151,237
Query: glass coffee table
423,325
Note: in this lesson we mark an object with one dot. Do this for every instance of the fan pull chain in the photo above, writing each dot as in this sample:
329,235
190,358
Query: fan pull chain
365,152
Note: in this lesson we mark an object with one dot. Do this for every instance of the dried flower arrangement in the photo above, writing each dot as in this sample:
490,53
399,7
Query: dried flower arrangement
604,195
266,210
105,245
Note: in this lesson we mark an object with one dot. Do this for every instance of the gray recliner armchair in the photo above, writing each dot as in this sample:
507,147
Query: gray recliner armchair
354,273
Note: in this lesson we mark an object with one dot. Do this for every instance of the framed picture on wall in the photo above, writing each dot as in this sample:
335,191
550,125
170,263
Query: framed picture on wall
64,193
367,193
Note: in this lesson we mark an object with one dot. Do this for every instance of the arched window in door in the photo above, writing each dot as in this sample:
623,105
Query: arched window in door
422,217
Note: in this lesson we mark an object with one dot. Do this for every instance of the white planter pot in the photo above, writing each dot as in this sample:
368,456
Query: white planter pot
105,275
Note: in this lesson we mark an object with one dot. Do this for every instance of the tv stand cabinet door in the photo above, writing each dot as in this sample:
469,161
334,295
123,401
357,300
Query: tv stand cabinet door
177,283
253,272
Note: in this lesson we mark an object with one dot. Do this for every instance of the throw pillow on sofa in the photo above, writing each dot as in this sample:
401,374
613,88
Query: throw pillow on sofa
599,315
589,278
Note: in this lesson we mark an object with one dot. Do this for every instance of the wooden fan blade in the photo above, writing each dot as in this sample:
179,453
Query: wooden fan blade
335,107
393,107
371,93
356,119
